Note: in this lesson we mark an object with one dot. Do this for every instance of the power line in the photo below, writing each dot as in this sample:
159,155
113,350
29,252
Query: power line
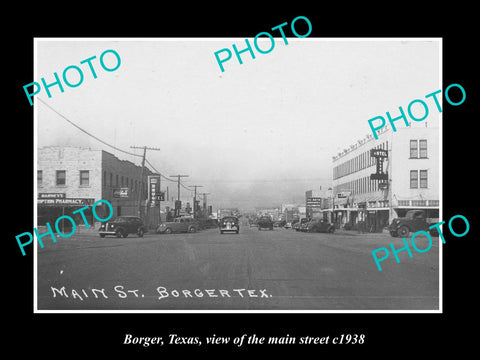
85,131
105,143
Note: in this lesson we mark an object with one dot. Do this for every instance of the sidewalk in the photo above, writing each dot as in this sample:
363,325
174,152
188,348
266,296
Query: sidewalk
356,232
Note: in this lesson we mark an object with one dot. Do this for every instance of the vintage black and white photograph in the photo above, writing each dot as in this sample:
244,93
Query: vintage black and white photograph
233,175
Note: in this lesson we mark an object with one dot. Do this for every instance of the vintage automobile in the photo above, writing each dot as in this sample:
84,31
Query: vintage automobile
288,225
299,224
265,222
319,225
229,224
413,221
178,225
121,226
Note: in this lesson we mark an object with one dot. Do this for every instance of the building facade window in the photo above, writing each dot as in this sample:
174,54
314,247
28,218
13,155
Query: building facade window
116,180
61,176
39,178
413,149
423,179
423,149
413,179
104,178
84,177
111,179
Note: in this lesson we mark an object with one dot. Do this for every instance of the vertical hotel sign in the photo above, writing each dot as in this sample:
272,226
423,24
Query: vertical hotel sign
154,193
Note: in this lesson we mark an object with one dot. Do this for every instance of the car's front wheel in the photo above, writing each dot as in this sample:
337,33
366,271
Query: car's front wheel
168,231
119,233
192,229
102,235
140,232
403,231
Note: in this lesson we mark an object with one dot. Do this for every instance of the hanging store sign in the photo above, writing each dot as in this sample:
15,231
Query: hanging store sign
343,194
154,193
379,155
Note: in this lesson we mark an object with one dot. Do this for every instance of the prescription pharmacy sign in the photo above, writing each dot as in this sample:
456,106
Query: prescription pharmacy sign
65,201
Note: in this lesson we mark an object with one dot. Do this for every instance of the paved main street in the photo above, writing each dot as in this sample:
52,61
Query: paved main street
287,270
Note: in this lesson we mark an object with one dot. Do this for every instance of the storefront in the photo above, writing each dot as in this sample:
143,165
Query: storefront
50,206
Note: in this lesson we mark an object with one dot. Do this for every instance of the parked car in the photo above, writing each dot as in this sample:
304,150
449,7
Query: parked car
288,225
413,221
178,225
229,224
265,222
320,226
122,226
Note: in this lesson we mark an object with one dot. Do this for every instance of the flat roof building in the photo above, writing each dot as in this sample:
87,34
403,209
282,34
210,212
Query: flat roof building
69,178
411,177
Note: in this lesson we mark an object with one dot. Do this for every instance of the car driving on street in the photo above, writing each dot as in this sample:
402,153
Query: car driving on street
298,225
121,226
229,224
178,225
265,222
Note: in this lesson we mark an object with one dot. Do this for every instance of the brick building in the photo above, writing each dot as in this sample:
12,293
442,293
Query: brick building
69,178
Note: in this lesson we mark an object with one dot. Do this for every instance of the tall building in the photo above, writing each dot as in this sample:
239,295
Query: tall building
69,178
410,180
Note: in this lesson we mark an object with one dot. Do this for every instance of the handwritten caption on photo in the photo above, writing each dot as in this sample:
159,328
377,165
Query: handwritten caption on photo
120,291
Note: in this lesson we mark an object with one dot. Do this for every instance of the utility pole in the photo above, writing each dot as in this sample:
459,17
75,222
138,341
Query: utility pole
178,190
195,200
142,174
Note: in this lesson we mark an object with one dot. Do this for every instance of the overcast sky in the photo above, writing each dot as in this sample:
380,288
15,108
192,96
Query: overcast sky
260,133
